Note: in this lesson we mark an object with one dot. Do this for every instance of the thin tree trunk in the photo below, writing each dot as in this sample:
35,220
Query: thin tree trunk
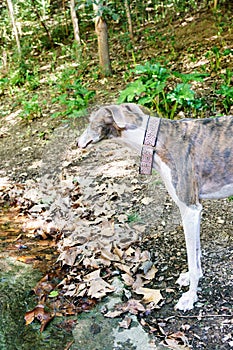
215,4
43,24
15,31
64,10
102,35
128,15
75,22
103,48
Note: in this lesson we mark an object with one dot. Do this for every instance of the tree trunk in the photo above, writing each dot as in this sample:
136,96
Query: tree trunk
75,22
43,24
128,15
103,48
102,35
15,31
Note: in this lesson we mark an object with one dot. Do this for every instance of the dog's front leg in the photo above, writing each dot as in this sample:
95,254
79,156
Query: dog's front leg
191,223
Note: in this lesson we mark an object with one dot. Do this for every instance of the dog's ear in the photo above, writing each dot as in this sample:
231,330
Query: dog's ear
117,115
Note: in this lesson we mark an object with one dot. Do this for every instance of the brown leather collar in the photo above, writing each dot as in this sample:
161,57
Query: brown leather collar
148,147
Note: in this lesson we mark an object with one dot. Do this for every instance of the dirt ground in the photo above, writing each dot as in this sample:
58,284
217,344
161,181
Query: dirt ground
155,224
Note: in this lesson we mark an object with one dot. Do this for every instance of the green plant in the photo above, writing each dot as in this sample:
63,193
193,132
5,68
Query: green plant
227,77
215,57
227,92
181,95
186,78
30,109
74,97
146,89
3,84
151,90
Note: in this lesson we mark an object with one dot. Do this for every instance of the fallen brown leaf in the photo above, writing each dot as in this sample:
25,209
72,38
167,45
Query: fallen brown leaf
134,306
151,273
108,255
99,288
40,314
177,341
128,280
113,314
125,323
123,267
150,295
138,283
27,259
119,252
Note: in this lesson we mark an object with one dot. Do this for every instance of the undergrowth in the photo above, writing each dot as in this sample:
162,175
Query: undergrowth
68,78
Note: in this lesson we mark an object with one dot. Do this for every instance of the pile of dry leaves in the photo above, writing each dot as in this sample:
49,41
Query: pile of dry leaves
89,218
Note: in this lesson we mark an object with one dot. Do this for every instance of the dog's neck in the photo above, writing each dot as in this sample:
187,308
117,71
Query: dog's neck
134,137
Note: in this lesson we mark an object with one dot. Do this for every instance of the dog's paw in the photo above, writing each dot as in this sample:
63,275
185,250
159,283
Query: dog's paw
186,301
183,280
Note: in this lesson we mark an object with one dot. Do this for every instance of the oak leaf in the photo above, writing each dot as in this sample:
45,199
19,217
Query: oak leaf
150,295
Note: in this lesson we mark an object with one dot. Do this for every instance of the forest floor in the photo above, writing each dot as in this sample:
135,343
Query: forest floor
92,211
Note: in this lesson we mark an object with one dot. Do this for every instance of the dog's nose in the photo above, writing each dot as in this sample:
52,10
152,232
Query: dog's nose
83,139
80,144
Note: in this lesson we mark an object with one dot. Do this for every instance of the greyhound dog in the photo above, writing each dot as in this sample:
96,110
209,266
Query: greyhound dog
193,157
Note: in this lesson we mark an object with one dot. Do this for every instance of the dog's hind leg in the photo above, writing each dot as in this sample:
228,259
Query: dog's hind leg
191,217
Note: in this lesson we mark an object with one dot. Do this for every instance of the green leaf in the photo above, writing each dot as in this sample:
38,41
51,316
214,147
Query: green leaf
181,93
134,89
152,70
53,294
146,100
226,91
156,87
190,77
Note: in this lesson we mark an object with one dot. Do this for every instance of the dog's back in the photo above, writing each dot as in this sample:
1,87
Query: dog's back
199,154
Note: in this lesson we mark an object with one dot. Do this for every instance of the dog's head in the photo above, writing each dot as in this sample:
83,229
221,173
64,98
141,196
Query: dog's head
110,121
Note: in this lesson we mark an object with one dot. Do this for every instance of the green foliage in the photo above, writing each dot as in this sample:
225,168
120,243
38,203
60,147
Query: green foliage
53,294
151,90
3,84
186,78
227,77
215,56
181,95
227,92
23,74
73,95
132,91
144,90
31,109
103,9
43,22
152,71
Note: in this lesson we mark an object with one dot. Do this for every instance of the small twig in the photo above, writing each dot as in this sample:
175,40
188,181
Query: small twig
69,345
203,316
196,316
